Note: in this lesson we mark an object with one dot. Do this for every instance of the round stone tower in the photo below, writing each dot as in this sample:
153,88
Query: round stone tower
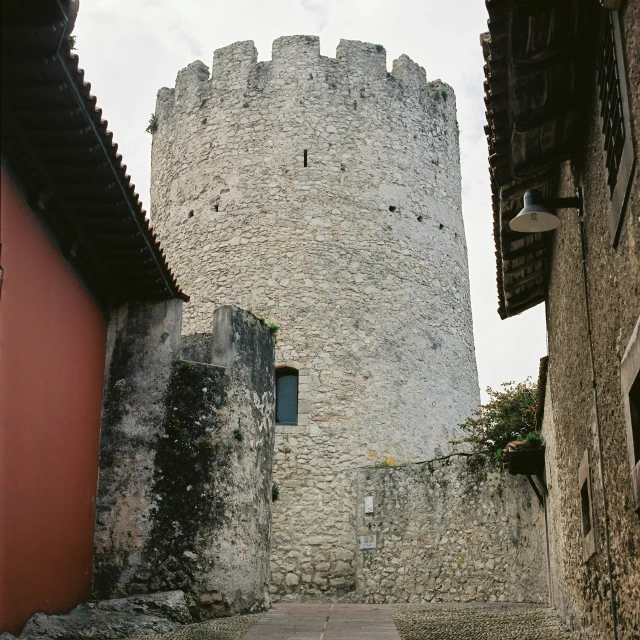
325,195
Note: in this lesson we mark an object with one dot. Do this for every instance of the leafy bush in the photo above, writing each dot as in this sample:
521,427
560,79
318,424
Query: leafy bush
534,439
508,415
275,492
238,435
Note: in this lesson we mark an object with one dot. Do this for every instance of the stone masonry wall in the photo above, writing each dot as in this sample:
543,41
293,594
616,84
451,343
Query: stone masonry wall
325,194
445,534
584,408
186,473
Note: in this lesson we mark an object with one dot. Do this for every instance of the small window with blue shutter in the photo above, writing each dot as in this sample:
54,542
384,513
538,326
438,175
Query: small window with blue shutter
286,396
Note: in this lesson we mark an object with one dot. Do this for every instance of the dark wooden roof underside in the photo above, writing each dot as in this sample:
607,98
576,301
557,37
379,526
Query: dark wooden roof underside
59,147
537,55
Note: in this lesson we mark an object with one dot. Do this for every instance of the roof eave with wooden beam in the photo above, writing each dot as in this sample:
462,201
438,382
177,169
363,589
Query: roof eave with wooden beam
538,56
56,142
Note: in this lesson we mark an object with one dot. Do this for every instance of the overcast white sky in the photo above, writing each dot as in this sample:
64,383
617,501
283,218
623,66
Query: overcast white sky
131,48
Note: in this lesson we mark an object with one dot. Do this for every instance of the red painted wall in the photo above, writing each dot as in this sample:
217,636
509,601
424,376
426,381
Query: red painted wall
52,352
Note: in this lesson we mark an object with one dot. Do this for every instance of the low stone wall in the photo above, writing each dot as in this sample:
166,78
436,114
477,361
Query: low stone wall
442,533
186,466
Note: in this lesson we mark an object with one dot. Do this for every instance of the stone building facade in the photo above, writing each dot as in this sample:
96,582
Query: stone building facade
324,193
589,279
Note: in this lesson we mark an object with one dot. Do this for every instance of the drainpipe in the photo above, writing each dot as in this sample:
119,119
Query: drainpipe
614,613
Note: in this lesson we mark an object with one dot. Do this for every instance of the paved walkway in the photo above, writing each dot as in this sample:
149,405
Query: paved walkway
325,622
478,621
442,621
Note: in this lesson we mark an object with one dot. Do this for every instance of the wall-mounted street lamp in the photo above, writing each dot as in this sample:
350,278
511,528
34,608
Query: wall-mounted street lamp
536,216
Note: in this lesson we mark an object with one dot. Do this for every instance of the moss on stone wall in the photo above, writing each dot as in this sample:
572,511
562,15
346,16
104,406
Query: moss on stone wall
188,447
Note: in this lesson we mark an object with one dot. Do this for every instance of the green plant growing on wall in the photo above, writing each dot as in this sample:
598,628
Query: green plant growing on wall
273,327
445,95
238,435
275,492
152,127
508,415
379,48
72,43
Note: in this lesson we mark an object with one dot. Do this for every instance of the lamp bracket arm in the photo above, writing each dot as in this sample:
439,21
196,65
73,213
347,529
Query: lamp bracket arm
574,202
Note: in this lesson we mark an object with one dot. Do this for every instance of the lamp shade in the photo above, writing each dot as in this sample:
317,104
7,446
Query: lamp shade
534,217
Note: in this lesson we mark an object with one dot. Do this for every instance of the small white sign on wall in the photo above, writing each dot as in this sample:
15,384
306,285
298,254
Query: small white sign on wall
368,504
368,542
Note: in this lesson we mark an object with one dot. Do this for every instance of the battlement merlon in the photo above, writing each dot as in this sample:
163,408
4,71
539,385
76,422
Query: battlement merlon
298,57
297,51
363,60
233,65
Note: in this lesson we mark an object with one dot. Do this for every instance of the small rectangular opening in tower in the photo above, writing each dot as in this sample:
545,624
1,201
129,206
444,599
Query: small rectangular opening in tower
305,157
586,509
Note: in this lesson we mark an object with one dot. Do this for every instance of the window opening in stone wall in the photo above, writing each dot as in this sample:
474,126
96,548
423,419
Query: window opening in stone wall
586,508
630,379
634,405
286,396
216,207
392,208
191,213
613,126
305,158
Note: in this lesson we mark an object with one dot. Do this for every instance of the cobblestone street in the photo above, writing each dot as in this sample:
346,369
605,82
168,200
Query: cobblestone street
470,621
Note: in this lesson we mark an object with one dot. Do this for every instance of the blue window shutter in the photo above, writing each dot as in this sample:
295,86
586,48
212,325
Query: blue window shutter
287,396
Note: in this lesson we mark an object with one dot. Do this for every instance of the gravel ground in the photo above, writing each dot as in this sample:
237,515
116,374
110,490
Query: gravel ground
232,628
471,621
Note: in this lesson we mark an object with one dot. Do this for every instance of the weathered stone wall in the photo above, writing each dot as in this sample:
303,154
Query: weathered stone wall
444,533
142,342
359,257
186,471
574,421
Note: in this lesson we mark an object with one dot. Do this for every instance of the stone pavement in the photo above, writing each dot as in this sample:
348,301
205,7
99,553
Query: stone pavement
441,621
325,622
478,621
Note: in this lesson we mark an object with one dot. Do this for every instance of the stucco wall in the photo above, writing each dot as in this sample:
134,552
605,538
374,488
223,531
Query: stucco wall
581,589
186,461
52,349
448,534
359,257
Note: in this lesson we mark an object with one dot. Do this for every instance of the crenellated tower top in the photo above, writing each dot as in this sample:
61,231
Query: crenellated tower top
358,68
